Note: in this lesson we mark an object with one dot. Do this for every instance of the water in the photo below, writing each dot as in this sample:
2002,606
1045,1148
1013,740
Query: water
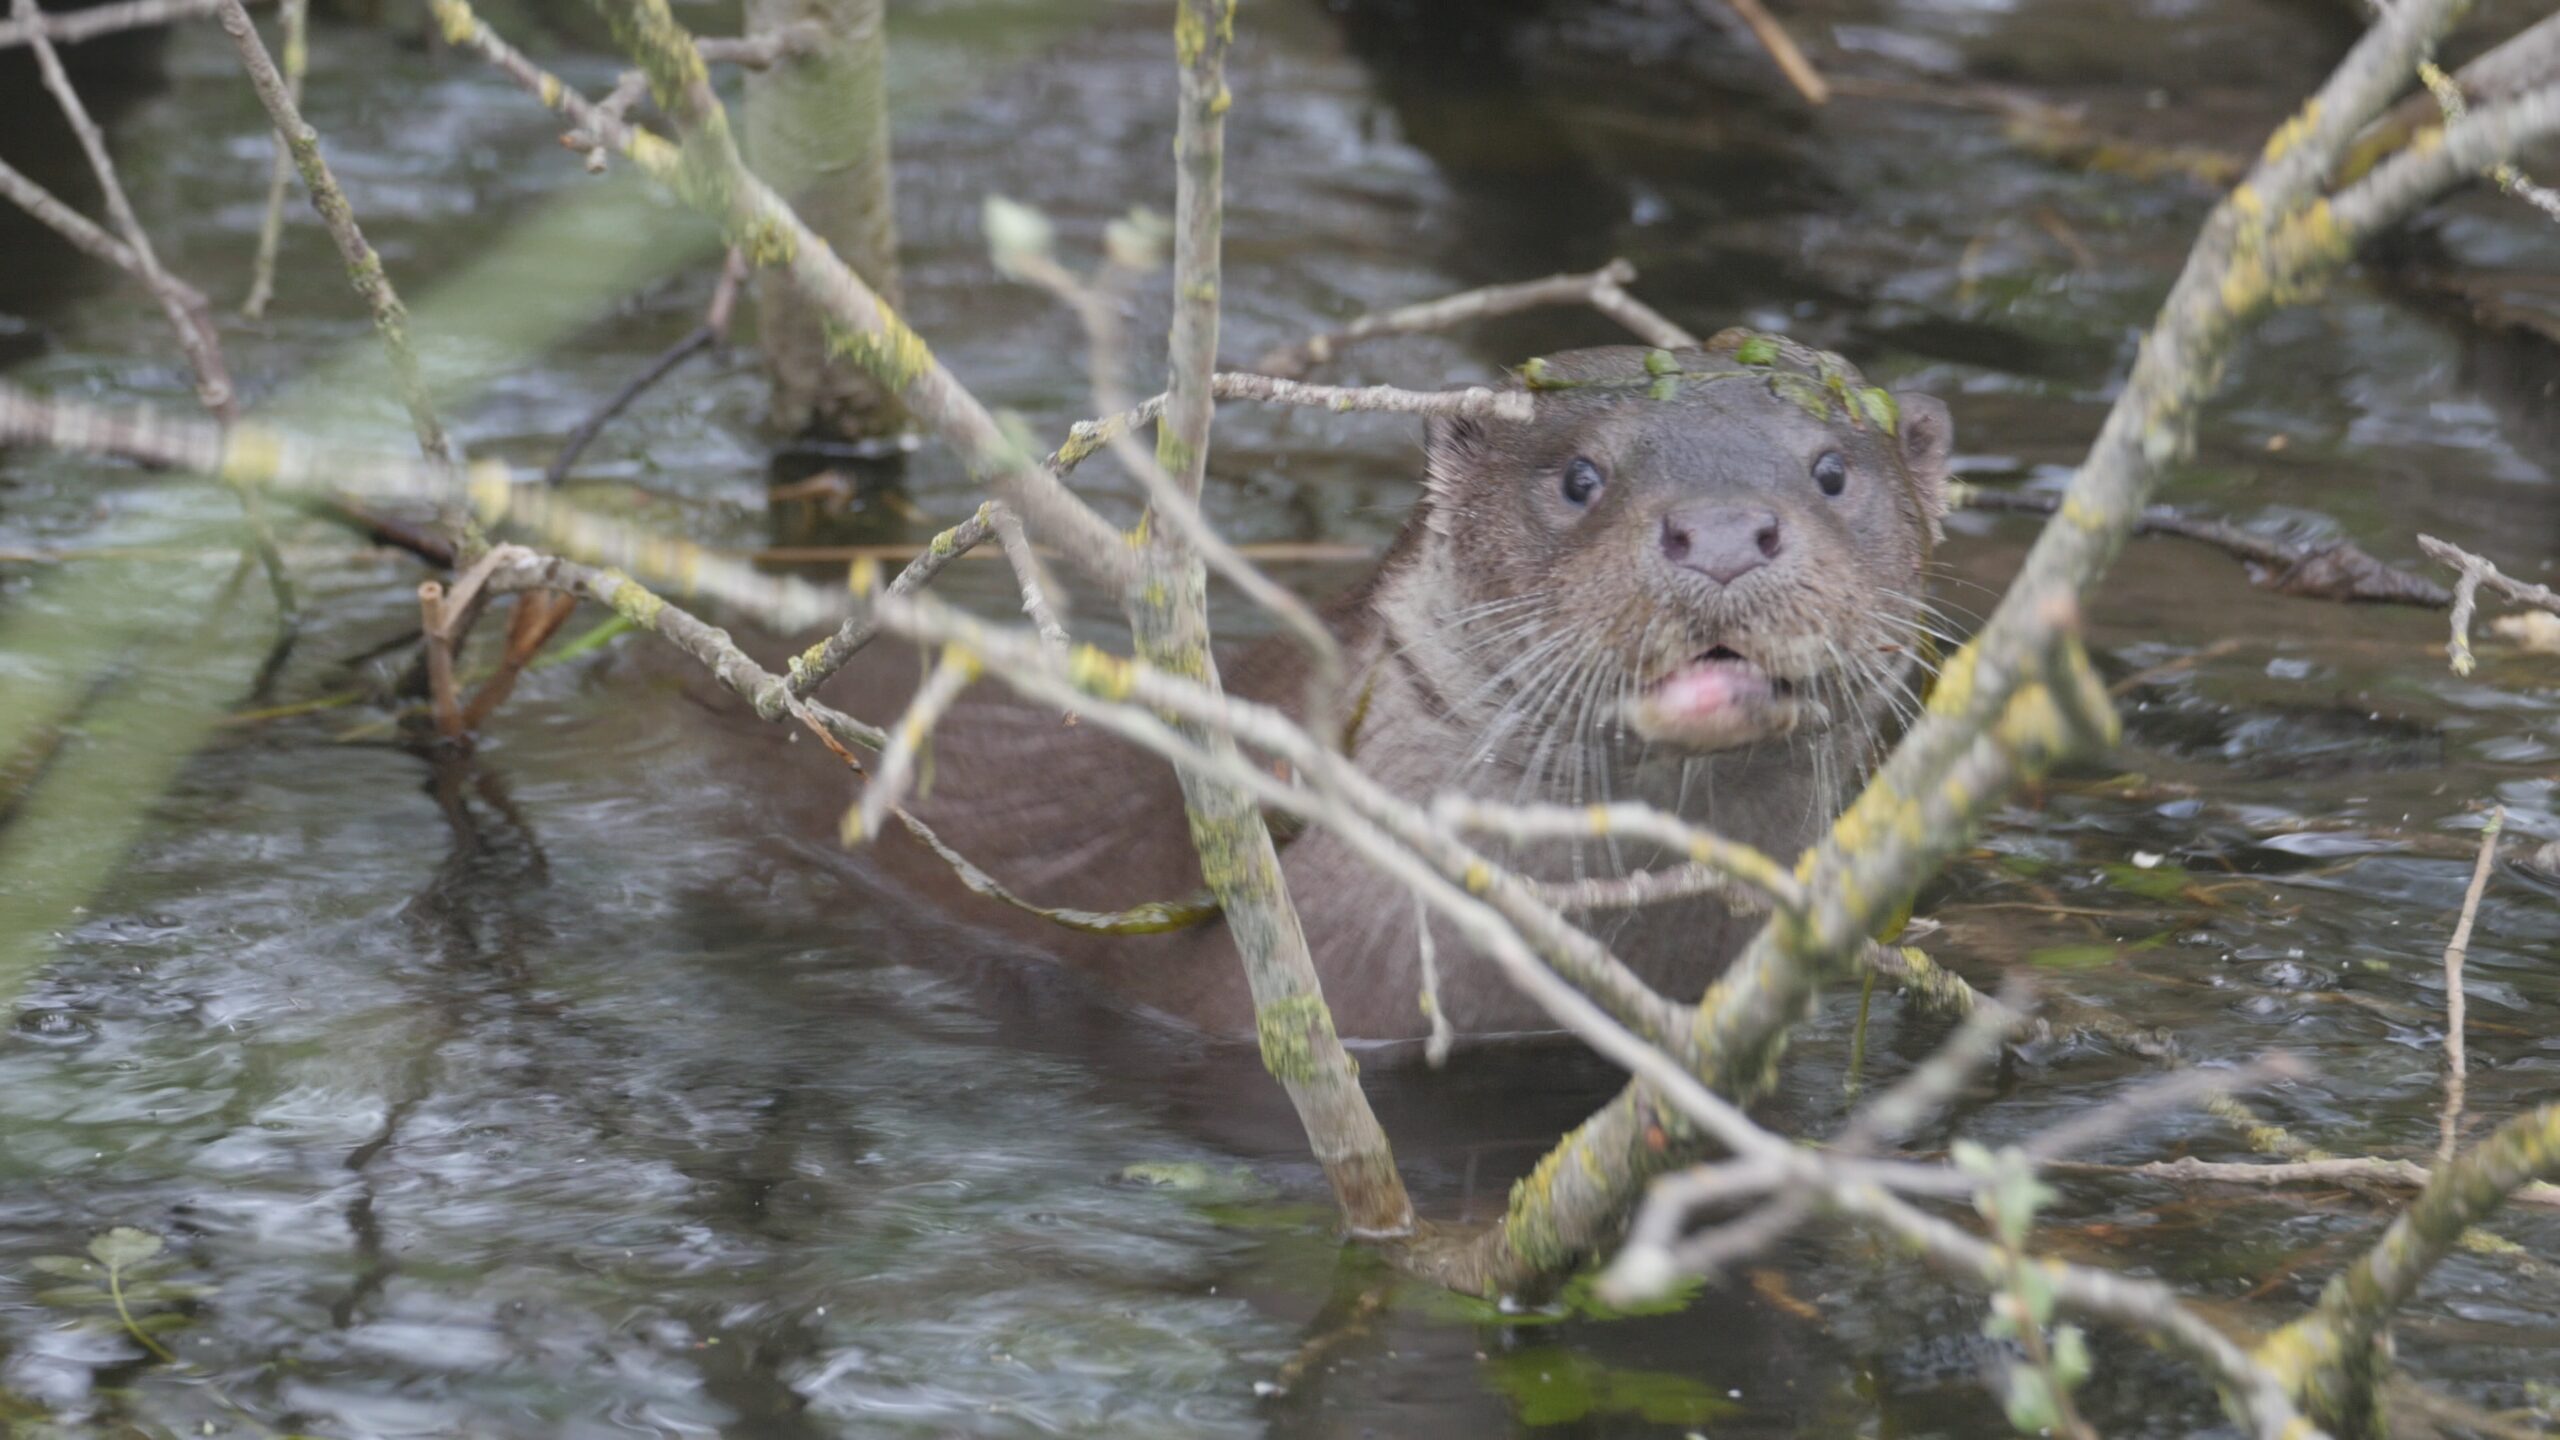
578,1090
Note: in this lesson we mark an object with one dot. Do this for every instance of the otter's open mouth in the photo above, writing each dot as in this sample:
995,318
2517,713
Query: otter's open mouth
1715,700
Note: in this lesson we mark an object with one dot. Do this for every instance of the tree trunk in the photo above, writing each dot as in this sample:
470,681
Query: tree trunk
818,132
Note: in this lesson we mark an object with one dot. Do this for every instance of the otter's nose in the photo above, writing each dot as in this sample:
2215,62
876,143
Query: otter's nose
1722,542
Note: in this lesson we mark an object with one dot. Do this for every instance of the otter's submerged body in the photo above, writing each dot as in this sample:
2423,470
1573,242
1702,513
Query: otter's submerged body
1693,581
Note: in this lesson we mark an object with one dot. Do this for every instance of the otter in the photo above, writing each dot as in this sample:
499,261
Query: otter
1694,579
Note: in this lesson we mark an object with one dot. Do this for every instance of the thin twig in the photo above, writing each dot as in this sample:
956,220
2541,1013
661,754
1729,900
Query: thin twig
2334,1171
628,91
262,271
537,619
764,51
955,672
710,334
2455,1007
1098,305
1029,574
184,306
1758,873
1603,288
1475,402
193,324
1782,49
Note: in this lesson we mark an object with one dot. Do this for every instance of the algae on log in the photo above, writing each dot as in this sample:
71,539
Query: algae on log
817,131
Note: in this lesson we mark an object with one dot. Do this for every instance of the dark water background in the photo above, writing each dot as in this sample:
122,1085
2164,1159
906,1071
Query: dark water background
568,1093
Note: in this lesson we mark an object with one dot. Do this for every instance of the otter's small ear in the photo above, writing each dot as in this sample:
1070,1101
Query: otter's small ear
1928,440
1450,446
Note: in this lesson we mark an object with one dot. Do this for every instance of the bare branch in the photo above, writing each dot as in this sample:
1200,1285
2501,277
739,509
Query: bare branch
1761,874
1029,574
1782,49
1475,402
2477,572
297,58
2455,1003
72,27
2338,1170
708,335
955,672
763,52
1604,288
192,321
2326,570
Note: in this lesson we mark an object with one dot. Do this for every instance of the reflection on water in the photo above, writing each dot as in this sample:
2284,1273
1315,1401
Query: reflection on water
580,1089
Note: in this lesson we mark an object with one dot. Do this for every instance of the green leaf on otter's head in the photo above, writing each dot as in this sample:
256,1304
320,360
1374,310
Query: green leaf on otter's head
1660,362
1533,372
1880,410
1758,350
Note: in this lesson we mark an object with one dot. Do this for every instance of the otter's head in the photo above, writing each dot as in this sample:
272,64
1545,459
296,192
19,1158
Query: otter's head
1710,547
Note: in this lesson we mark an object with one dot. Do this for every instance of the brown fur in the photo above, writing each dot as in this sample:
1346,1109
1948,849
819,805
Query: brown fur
1501,641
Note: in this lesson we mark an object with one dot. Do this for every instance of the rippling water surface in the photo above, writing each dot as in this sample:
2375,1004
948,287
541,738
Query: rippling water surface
577,1090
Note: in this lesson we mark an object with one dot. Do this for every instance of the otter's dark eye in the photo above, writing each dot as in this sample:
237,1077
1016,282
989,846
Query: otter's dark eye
1831,472
1582,480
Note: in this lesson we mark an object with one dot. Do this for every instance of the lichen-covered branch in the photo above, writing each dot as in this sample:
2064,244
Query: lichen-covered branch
1168,607
364,267
955,672
257,458
812,668
707,173
517,568
2328,1357
2020,681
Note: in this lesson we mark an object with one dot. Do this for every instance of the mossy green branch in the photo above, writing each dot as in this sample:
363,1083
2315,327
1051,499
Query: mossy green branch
1167,603
2328,1359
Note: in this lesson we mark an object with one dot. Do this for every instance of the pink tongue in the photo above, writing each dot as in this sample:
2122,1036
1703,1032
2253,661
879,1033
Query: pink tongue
1703,688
